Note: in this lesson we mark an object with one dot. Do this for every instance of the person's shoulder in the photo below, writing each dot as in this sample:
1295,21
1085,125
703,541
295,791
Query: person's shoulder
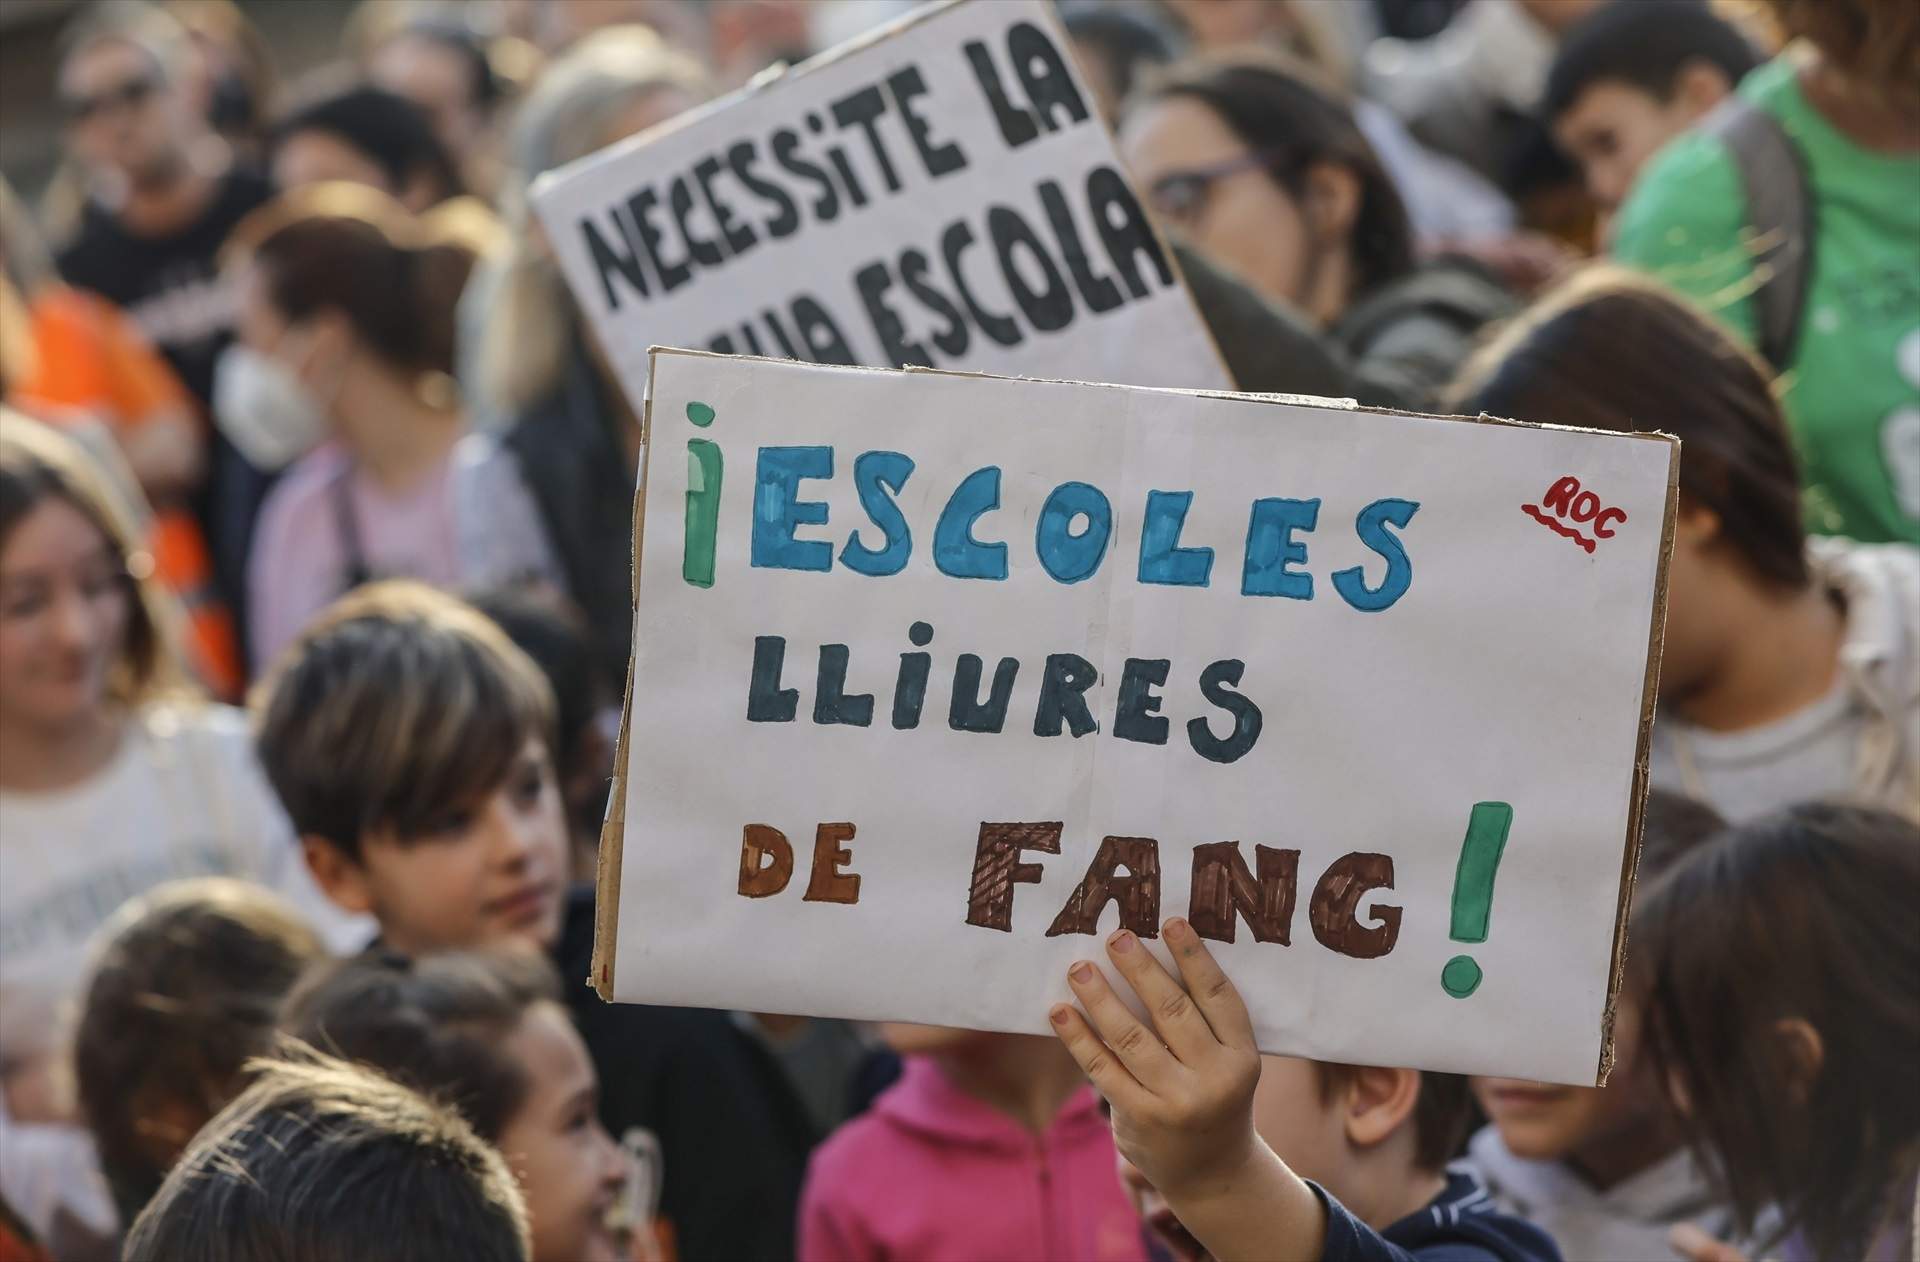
858,1149
302,486
1687,198
1465,1224
242,191
210,743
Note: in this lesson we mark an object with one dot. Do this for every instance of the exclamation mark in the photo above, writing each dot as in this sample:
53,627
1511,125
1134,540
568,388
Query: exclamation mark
704,467
1473,891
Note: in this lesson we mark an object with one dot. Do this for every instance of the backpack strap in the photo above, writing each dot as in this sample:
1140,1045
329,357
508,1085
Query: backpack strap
1780,212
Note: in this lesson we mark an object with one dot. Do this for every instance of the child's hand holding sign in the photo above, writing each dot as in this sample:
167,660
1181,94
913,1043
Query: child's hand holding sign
1182,1097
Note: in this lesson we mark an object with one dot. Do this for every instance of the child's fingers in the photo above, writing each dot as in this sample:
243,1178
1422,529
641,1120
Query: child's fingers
1138,1047
1212,993
1108,1076
1182,1028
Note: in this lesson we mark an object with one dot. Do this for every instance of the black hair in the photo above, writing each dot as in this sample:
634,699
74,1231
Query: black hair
1803,914
1125,41
390,130
1278,109
320,1161
1645,46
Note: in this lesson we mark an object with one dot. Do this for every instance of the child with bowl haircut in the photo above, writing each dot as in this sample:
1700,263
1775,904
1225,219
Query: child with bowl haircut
412,744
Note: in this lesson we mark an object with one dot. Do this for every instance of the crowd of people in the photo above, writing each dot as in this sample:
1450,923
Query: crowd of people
300,416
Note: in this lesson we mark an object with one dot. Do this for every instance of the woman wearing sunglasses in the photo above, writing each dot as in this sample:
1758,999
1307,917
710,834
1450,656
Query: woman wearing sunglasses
1265,172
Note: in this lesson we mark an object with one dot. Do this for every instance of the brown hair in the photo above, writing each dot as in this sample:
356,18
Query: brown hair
1804,914
184,991
1279,108
352,249
1611,350
1442,1113
438,1025
397,705
320,1161
1876,42
38,463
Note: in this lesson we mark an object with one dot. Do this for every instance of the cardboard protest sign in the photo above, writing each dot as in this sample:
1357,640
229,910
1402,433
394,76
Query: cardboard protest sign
937,676
939,193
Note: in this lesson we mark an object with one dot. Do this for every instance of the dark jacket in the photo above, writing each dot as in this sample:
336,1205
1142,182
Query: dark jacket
575,465
1395,348
734,1136
1459,1225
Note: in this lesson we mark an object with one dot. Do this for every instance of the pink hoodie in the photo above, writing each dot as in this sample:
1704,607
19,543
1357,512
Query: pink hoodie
933,1175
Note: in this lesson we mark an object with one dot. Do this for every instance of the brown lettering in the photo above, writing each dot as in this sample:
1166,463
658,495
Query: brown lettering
828,883
759,878
1222,886
997,868
1138,893
1336,900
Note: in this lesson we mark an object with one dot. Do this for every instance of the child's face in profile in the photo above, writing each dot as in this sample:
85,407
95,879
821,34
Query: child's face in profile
1299,1121
571,1171
491,872
1608,1131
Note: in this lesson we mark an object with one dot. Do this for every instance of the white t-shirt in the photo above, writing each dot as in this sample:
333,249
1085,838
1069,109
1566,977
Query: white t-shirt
183,797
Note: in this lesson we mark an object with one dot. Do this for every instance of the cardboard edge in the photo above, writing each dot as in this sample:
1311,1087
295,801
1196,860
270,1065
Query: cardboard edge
1636,814
613,829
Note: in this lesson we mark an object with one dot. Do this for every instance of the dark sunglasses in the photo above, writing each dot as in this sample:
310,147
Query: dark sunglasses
128,95
1181,195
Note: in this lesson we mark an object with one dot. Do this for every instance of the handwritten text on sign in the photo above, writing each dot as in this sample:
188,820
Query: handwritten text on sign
914,716
942,195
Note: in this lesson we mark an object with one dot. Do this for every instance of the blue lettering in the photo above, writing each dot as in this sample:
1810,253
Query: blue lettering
873,471
1371,525
1272,550
1162,559
776,511
1066,556
955,551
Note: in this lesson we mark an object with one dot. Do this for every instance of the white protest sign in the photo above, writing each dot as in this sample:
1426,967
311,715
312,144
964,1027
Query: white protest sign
938,675
939,193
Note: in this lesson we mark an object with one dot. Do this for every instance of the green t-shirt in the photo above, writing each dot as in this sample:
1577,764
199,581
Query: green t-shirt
1852,392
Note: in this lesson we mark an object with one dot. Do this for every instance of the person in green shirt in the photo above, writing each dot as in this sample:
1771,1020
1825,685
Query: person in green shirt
1846,98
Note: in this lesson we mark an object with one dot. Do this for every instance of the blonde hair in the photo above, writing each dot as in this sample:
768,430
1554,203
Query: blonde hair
38,463
530,322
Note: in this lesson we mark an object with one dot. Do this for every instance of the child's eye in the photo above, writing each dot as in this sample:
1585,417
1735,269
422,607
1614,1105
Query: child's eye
527,790
449,825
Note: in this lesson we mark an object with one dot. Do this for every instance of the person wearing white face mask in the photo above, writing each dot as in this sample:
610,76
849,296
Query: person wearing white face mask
343,367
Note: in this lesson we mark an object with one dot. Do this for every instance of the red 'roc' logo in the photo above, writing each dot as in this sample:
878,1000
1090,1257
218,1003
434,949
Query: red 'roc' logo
1564,500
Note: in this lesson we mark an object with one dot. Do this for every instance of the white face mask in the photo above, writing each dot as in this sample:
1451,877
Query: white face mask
264,410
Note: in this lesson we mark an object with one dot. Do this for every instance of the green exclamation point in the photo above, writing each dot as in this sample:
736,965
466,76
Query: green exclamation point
704,467
1473,891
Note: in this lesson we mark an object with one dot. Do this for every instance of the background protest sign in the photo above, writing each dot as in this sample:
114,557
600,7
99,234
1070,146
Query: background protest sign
937,674
938,193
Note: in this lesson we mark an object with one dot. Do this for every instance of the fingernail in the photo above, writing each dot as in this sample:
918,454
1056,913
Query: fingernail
1081,972
1122,941
1059,1014
1176,930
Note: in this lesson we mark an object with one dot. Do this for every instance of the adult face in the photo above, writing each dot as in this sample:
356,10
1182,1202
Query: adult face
124,118
65,603
1203,181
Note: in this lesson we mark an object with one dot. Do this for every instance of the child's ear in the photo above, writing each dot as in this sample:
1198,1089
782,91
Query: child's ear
338,874
1378,1102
